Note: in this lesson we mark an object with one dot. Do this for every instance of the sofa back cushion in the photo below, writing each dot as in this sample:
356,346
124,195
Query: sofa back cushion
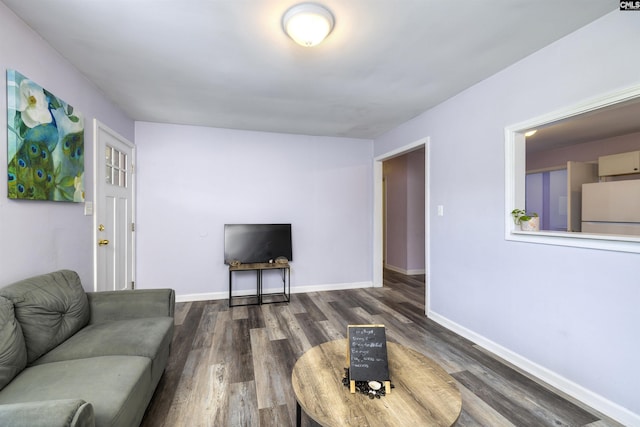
13,353
50,308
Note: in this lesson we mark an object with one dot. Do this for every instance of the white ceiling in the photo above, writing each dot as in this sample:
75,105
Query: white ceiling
622,118
228,64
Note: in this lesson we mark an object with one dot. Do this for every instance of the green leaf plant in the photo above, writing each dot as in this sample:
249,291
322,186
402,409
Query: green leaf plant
520,216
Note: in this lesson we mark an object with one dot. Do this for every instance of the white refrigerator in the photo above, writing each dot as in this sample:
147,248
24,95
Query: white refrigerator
611,207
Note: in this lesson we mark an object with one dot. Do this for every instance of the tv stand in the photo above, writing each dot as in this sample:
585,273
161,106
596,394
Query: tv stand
259,297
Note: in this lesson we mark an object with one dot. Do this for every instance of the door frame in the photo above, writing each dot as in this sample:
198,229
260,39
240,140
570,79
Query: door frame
378,212
99,191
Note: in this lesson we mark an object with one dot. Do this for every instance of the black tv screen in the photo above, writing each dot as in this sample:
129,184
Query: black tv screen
251,243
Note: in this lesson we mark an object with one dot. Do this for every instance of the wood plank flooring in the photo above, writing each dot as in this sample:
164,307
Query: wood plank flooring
232,366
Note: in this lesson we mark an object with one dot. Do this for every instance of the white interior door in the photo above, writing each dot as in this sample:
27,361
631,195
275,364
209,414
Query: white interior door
114,203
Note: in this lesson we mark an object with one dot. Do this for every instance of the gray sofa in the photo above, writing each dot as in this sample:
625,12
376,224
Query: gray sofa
75,358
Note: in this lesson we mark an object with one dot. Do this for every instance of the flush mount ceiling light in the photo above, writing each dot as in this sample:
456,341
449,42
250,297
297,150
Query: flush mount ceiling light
307,23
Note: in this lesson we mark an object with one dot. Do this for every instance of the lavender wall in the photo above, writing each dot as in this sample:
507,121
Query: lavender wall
405,184
38,237
193,180
395,175
415,212
568,314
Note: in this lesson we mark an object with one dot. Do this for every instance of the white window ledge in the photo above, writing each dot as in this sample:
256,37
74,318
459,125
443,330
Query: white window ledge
607,242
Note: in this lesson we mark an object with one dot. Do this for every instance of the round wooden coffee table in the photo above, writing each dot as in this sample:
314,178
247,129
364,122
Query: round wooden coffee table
424,393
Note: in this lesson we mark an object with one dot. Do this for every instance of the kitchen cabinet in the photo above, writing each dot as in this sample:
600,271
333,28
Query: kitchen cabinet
619,164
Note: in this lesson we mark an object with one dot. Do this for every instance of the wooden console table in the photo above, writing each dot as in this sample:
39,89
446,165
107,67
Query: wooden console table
260,297
424,393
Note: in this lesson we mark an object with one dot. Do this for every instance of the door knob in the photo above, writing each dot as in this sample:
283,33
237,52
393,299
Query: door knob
103,242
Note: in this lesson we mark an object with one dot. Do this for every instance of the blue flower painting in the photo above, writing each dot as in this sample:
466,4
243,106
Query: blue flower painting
45,144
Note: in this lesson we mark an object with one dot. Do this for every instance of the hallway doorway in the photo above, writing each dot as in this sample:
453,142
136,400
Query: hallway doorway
403,212
386,254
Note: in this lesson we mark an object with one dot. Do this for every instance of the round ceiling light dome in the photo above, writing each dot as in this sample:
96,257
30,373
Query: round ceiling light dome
308,23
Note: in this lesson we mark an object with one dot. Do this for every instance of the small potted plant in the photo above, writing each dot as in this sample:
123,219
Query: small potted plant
526,221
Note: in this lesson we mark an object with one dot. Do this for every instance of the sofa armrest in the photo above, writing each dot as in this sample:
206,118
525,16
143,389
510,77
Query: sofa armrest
119,305
49,413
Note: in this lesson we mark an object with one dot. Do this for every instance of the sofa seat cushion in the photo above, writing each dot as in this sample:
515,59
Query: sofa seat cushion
116,386
13,353
50,413
50,308
131,337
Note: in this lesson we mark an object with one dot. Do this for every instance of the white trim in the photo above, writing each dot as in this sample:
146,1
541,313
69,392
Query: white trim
515,180
427,223
210,296
404,271
377,211
378,226
588,397
331,287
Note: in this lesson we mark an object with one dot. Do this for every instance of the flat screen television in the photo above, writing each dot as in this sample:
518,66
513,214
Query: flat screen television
252,243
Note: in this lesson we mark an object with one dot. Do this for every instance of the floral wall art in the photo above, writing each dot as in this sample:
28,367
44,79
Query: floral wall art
45,144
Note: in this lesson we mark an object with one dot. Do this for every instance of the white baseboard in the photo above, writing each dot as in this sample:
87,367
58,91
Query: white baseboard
294,290
594,400
331,287
210,296
413,272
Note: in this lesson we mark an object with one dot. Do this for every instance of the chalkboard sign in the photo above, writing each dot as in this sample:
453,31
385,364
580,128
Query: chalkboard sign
367,354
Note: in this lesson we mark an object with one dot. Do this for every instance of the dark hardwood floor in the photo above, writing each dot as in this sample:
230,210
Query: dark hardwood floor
232,366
